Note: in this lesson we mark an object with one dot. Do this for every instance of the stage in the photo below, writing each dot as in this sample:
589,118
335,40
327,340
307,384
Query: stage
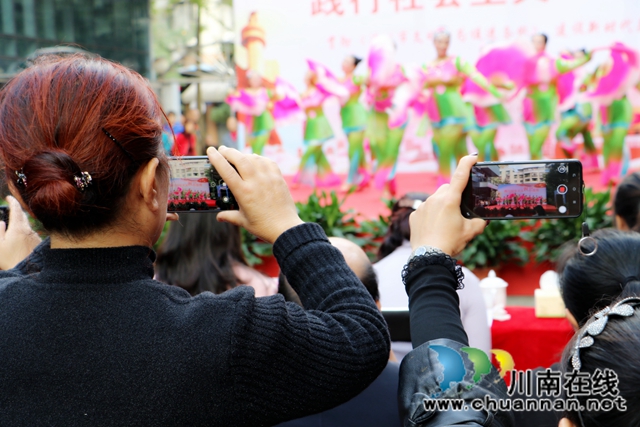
368,202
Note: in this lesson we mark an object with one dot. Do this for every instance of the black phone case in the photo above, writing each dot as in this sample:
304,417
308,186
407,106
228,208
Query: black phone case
218,191
574,167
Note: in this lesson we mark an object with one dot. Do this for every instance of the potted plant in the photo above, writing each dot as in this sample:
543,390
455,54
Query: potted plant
548,236
325,210
500,244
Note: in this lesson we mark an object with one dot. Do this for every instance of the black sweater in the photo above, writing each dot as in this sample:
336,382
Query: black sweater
88,338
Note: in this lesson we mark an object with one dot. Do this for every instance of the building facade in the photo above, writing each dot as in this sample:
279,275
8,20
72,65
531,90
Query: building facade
114,29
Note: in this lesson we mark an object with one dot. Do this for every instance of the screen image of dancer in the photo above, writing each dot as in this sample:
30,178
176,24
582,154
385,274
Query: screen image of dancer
517,190
197,187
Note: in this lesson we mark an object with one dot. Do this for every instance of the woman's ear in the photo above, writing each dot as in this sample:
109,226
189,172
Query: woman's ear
566,422
621,224
572,320
148,184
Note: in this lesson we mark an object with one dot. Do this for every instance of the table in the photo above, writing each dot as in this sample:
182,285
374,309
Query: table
532,342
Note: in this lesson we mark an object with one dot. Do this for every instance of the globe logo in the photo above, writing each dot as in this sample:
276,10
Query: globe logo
453,368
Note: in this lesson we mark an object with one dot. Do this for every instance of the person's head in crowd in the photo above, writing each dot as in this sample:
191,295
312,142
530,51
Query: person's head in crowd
193,115
612,353
590,283
189,127
358,262
539,42
399,230
81,141
350,63
171,118
626,205
232,124
199,253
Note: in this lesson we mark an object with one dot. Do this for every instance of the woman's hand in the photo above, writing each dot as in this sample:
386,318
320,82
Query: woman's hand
266,207
438,221
19,240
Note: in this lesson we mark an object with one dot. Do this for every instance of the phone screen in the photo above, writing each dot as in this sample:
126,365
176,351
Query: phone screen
197,187
516,190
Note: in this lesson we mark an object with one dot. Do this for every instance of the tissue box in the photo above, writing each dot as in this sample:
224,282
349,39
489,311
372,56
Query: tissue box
549,303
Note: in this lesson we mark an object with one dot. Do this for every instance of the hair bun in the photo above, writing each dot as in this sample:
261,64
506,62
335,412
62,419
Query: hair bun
50,193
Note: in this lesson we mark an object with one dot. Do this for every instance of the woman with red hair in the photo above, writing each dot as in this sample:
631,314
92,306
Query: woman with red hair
90,338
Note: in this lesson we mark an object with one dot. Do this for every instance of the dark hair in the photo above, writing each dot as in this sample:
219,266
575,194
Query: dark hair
399,230
616,348
356,60
52,117
198,254
589,284
370,281
544,36
626,204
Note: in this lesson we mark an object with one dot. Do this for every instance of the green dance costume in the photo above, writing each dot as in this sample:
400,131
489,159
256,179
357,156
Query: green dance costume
540,104
261,130
448,113
354,123
315,170
484,127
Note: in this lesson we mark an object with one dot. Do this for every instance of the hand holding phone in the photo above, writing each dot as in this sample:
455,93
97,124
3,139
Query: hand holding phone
266,207
438,222
18,240
524,190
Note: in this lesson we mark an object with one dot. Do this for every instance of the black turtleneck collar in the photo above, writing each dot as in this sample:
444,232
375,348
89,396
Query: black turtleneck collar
98,265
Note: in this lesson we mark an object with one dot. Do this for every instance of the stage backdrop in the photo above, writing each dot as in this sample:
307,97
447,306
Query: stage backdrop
275,37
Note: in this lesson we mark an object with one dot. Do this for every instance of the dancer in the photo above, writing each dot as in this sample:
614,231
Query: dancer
255,102
613,79
354,123
502,66
447,111
386,122
484,122
315,170
576,113
541,74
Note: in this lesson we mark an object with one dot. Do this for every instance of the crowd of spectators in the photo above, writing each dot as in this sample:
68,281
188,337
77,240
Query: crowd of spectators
98,330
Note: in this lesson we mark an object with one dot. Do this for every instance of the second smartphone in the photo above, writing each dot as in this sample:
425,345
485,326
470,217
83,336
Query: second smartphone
521,190
196,186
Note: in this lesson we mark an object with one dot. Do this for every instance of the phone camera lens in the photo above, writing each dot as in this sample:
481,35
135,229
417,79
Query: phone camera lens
562,169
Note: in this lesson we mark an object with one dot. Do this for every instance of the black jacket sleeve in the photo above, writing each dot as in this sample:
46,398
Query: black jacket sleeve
440,354
434,307
311,359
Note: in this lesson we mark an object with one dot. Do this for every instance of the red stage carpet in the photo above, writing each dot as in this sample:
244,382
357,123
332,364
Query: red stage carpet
369,201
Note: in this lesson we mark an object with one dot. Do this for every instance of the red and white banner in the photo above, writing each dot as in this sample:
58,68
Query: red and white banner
288,32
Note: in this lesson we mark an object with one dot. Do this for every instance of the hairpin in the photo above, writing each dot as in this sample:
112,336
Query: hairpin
597,324
82,181
111,137
22,178
586,237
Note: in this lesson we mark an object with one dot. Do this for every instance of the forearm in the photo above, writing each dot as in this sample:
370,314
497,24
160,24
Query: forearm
566,65
323,355
434,305
476,76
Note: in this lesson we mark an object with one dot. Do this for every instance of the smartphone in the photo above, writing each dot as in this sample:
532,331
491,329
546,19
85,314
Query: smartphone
196,186
524,190
4,215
